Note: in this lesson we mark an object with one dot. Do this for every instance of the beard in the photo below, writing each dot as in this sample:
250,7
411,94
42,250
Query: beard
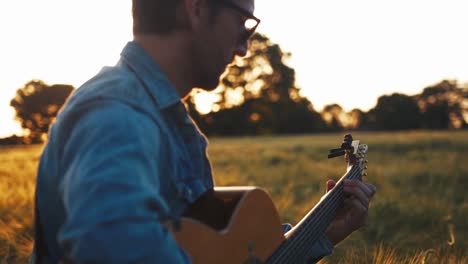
208,65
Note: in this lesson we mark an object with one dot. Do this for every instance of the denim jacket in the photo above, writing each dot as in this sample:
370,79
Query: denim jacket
122,157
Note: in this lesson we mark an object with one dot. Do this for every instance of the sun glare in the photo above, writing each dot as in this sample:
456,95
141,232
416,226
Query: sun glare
204,102
11,127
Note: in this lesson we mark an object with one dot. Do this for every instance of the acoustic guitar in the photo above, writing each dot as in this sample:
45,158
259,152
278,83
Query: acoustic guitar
240,225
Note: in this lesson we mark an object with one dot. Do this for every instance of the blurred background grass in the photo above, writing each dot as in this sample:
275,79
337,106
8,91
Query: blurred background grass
419,214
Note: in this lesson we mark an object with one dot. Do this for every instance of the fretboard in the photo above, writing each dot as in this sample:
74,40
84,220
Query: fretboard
296,248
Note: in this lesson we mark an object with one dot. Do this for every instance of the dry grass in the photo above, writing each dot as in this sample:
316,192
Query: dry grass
17,182
418,216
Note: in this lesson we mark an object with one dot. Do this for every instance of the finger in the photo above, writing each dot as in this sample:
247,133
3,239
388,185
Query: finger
330,185
357,212
358,190
368,189
372,189
356,215
354,205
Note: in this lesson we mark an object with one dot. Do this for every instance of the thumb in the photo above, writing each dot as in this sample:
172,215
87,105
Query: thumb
330,185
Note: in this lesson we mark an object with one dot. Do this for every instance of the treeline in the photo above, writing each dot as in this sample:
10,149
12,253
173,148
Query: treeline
258,95
441,106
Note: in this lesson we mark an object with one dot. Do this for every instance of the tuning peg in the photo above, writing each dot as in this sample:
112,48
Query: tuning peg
363,148
364,174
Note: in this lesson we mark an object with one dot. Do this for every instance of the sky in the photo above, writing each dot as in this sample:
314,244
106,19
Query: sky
344,52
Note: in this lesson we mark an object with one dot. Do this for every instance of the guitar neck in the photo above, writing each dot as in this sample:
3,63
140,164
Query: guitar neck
301,238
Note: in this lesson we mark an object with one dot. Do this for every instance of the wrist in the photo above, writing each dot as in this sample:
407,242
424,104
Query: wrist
337,232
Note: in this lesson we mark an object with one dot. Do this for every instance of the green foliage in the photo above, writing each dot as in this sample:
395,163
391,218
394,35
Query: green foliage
37,104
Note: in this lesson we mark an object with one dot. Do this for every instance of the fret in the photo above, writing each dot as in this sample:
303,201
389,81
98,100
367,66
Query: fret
298,241
307,231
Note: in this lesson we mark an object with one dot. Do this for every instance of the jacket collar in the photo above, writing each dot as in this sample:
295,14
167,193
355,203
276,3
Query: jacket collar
150,74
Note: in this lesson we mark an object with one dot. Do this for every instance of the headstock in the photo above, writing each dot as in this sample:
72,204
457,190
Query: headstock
353,151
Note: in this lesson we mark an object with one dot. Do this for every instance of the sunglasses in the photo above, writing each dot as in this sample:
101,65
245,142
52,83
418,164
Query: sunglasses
250,21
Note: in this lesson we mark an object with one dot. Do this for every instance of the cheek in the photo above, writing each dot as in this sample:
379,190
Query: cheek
227,35
222,49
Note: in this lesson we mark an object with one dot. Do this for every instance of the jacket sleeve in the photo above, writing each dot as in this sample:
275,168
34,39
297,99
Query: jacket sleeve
111,191
323,247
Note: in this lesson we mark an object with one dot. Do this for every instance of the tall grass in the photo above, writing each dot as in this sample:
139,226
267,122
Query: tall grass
421,204
17,182
419,214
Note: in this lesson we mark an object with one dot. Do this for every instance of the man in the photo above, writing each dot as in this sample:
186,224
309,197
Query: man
124,155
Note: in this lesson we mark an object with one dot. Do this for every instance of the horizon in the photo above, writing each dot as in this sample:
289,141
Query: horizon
370,48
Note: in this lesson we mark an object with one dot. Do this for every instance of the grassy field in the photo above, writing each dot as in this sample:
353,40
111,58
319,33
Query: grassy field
419,215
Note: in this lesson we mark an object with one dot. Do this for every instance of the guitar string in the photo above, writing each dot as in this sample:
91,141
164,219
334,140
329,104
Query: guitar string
302,236
323,224
319,223
297,241
308,231
284,249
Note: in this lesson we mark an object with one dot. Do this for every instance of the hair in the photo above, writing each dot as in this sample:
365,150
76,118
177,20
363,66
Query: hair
155,16
160,16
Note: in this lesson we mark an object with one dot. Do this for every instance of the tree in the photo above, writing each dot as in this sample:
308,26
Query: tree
356,119
444,105
258,95
334,116
37,104
396,112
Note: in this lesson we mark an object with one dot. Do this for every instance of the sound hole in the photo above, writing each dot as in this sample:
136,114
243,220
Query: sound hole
212,210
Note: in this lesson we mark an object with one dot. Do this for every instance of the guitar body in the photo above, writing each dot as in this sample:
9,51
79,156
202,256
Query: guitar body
252,232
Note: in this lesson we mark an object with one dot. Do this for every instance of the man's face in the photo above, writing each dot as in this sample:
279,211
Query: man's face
220,39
